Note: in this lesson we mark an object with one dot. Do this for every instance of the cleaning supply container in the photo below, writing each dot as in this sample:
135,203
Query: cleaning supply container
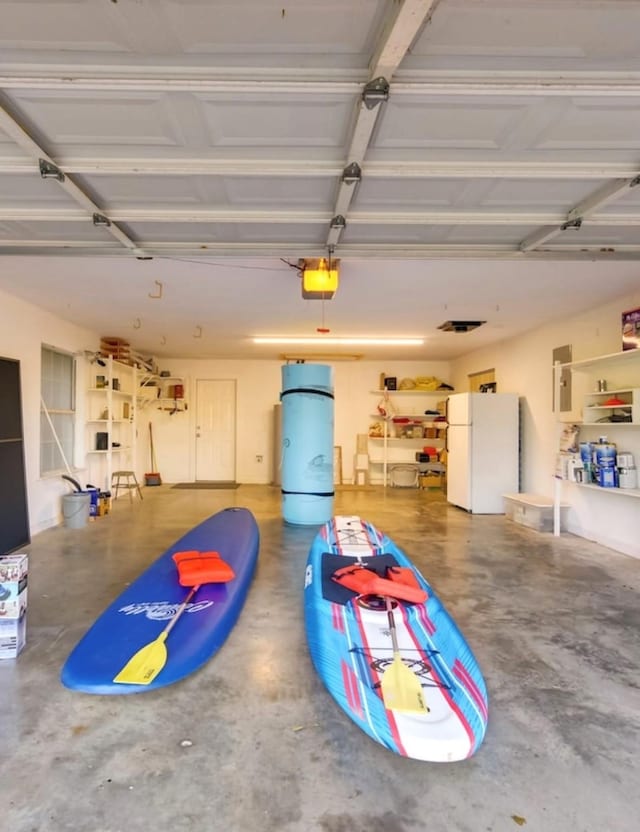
627,473
75,509
94,494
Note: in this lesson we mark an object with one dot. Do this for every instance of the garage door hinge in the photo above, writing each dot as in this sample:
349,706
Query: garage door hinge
575,224
352,174
375,92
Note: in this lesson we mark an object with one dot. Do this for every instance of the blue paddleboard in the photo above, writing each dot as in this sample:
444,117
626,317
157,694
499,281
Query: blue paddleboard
143,610
351,648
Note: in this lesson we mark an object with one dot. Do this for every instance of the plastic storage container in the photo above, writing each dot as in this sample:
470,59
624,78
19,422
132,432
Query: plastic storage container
534,511
76,508
404,476
94,495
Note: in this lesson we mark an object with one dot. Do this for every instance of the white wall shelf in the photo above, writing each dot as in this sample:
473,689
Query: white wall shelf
394,446
618,371
112,412
112,451
602,360
156,390
410,394
595,404
620,492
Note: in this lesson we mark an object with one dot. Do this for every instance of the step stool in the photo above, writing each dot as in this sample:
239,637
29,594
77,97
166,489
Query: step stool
130,484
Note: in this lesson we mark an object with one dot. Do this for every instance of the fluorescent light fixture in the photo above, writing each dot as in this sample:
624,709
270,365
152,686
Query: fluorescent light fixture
342,342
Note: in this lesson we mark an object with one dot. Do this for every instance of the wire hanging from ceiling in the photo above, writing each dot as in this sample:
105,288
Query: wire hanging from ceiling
224,265
325,330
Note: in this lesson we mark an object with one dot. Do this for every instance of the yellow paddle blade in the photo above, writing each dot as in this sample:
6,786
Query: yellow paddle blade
401,689
143,667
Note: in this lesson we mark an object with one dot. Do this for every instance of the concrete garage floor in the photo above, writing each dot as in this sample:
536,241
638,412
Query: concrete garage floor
554,623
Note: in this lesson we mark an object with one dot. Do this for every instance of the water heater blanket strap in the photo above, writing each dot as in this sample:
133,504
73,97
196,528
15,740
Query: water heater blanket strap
306,390
311,493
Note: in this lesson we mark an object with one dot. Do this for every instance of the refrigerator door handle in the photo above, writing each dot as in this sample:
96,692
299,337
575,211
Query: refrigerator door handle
446,421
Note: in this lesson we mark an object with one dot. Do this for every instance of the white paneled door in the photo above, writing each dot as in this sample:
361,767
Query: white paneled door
215,430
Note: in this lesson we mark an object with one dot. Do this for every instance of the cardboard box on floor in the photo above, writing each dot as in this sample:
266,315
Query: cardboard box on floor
14,571
430,481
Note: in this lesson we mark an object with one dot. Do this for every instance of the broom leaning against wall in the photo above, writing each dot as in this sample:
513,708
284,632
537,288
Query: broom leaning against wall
153,477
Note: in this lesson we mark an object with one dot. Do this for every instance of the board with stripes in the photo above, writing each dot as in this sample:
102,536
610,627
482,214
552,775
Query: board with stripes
350,645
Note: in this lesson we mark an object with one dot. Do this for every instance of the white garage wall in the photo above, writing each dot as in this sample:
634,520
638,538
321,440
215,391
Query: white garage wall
523,365
258,390
23,330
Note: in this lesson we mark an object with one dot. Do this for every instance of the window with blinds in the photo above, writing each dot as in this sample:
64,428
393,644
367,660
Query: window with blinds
57,411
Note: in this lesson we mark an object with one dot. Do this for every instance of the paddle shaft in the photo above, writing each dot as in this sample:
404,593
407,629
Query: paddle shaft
179,612
152,456
392,625
408,679
144,666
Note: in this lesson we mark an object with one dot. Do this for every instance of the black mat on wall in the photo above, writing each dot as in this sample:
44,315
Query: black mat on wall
206,485
14,520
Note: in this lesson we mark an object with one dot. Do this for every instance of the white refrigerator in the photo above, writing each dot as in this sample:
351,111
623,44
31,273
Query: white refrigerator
483,450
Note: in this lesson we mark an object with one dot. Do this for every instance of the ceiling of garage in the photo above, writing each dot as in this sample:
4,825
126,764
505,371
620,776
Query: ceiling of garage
414,141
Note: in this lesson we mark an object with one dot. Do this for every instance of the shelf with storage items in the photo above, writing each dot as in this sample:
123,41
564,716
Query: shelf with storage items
627,492
398,435
110,425
162,392
613,407
613,413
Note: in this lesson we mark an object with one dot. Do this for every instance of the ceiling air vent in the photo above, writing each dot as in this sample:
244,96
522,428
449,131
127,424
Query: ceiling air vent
460,326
